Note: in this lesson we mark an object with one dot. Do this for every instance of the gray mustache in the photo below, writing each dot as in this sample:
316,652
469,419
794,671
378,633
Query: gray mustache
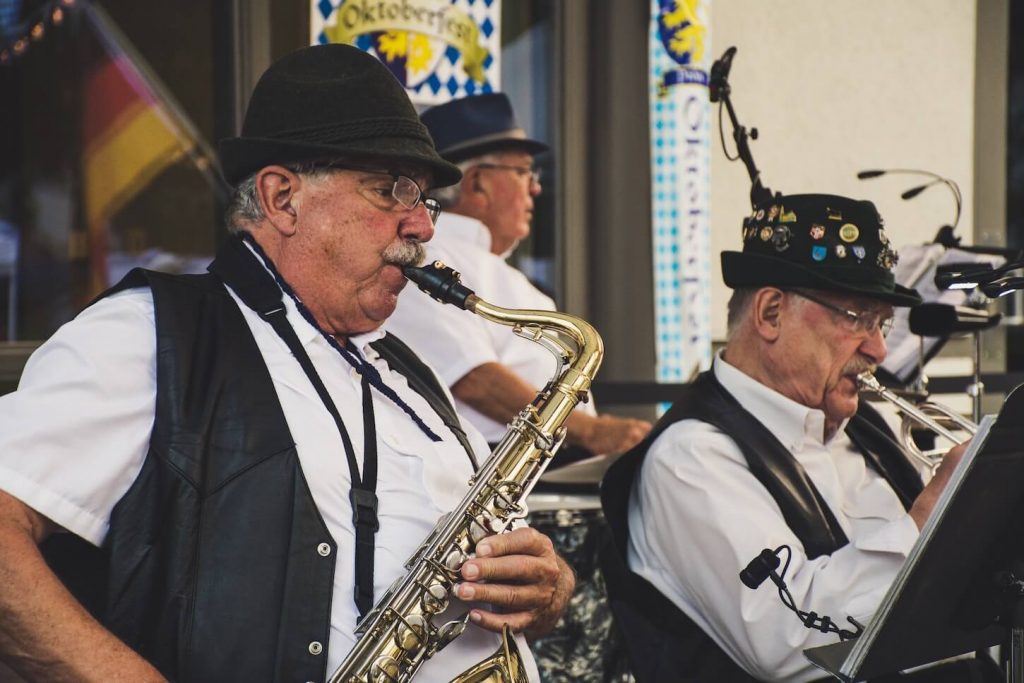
405,254
857,366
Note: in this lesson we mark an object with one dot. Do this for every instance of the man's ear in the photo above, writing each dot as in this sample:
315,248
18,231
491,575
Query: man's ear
278,190
471,182
767,309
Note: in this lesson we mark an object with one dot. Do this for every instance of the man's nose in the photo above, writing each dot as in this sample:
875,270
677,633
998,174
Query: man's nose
416,225
535,187
873,346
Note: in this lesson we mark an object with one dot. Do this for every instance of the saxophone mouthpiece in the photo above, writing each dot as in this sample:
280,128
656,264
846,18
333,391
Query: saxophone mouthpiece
440,282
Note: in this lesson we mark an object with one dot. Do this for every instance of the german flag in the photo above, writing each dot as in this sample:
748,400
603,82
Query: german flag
128,139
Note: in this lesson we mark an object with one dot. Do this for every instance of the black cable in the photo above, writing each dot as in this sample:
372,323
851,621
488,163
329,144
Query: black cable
763,567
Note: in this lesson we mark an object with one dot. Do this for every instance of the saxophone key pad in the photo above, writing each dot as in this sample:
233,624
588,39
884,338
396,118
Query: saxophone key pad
435,599
384,670
409,634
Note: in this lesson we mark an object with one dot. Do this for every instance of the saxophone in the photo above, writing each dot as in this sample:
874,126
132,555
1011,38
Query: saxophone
399,635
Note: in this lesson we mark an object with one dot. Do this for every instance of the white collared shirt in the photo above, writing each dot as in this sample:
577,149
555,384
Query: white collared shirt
454,341
697,516
74,436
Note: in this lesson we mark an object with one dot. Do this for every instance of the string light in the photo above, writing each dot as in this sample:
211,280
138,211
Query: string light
34,29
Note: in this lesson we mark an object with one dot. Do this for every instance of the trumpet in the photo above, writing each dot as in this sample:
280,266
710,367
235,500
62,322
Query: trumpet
945,422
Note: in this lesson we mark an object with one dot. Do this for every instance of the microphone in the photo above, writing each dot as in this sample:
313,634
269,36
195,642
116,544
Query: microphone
760,568
1002,286
942,320
763,567
918,189
718,83
971,275
914,191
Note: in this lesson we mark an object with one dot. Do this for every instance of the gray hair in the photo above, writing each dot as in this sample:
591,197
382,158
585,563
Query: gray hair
450,196
244,206
738,308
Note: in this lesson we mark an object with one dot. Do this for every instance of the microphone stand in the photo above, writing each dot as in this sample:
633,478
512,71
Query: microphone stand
720,91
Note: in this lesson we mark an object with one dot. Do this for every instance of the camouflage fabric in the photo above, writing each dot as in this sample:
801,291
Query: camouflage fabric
584,646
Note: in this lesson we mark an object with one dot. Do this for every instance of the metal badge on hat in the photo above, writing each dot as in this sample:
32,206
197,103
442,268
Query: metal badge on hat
780,237
819,252
787,216
841,250
859,252
817,231
849,232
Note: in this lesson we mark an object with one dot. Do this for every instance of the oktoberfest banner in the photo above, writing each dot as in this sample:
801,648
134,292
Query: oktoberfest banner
438,49
680,115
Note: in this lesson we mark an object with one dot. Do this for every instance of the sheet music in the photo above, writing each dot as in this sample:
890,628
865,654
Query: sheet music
863,644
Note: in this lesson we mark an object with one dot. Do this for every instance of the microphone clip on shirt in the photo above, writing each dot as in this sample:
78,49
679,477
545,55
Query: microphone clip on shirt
763,567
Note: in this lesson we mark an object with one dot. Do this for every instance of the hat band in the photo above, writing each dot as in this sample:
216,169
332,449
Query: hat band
385,127
510,135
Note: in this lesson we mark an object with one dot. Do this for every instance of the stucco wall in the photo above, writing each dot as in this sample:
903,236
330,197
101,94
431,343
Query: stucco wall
840,86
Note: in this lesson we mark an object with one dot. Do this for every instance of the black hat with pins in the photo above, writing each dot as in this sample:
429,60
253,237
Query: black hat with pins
817,241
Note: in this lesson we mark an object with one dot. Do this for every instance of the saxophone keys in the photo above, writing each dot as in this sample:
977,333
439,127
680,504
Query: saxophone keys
454,559
479,528
384,670
409,634
435,599
449,632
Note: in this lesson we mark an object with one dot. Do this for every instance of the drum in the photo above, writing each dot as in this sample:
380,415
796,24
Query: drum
584,646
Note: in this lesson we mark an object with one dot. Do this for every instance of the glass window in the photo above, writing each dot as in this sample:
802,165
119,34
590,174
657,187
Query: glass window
103,150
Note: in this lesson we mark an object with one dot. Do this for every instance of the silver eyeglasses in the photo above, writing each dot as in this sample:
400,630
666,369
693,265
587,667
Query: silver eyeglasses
405,191
520,171
854,321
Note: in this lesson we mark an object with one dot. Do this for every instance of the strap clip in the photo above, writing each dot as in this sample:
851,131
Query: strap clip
364,508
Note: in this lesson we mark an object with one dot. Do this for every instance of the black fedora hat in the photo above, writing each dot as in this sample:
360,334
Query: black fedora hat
475,125
329,101
817,241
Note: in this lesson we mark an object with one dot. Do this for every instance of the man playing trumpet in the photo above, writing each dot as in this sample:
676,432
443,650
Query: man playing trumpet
772,447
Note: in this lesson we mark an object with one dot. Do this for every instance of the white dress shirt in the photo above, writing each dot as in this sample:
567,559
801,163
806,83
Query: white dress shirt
74,436
697,516
454,341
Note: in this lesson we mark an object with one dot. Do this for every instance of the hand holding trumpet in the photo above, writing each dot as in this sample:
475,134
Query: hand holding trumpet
925,501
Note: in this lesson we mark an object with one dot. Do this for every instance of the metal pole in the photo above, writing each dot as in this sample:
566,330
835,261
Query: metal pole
977,388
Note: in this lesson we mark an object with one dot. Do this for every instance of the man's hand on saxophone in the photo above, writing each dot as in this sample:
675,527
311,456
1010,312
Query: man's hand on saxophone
521,577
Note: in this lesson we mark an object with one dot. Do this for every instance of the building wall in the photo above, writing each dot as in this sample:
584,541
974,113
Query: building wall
841,86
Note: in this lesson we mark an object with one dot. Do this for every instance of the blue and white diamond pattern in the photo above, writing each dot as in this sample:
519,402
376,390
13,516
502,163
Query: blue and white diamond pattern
680,202
449,79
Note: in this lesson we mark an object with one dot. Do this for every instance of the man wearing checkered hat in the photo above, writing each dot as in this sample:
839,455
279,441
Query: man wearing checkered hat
772,448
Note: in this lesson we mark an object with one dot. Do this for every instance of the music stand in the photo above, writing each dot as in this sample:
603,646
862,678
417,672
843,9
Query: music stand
961,588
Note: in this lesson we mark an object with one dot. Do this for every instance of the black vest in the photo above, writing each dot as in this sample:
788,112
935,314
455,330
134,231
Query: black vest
664,645
215,567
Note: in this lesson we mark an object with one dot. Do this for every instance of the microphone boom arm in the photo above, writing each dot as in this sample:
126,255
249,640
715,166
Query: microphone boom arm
720,91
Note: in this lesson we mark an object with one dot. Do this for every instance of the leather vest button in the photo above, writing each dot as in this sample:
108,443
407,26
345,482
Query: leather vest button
315,648
324,549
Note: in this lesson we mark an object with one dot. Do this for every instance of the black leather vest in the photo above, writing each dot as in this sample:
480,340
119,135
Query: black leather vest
664,645
216,566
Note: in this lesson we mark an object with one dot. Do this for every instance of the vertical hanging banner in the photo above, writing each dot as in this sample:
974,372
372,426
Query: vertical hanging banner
680,113
439,50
